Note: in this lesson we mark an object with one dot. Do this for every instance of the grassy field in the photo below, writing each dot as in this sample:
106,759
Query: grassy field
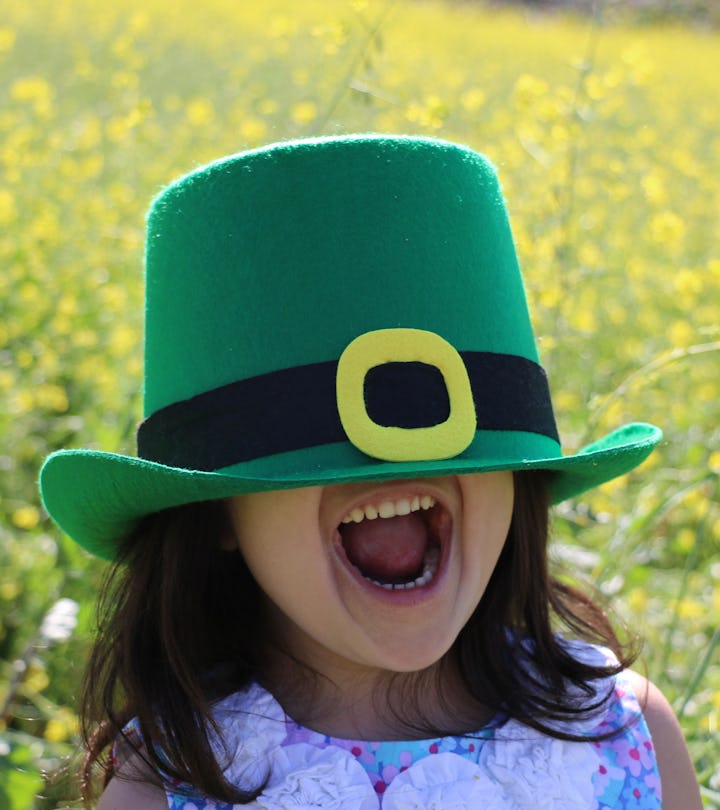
607,140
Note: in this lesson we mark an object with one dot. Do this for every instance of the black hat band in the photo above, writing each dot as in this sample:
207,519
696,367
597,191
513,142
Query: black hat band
295,408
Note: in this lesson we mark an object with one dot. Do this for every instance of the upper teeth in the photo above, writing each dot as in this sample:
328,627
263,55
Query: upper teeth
388,509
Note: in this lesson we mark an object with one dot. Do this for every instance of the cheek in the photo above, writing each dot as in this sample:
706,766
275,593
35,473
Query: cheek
268,562
256,535
488,512
279,539
264,565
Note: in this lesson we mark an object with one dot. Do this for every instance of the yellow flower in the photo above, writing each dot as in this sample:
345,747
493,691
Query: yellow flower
550,296
681,333
430,114
614,415
253,130
304,112
7,39
567,401
472,100
685,539
595,87
62,726
31,88
8,209
654,188
9,590
200,112
122,339
268,106
688,282
55,731
26,517
583,319
529,88
691,608
590,255
667,228
36,679
51,397
280,26
139,22
21,402
7,377
24,358
640,66
714,462
638,600
124,79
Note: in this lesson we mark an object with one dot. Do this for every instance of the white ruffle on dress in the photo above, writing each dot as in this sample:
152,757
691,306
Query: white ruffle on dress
506,765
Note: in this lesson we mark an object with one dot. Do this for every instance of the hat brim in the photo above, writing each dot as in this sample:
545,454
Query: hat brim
97,497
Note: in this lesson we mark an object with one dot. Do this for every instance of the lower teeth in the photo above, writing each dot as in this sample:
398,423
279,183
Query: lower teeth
430,567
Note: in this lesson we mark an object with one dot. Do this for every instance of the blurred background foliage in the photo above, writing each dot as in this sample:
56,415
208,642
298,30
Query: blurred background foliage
604,127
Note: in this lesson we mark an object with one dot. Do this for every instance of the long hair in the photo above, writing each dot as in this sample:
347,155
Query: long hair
511,652
181,625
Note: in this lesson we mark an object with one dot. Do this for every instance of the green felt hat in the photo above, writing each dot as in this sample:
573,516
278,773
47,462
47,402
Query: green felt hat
324,311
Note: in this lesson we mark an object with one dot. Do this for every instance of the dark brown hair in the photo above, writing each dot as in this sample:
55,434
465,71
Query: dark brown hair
181,625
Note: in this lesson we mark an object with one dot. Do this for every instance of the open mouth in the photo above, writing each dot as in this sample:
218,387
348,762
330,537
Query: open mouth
397,544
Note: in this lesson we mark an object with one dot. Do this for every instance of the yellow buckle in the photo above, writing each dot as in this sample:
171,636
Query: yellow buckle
389,443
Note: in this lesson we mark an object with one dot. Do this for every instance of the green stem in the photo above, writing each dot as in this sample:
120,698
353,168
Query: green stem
585,70
346,81
20,665
690,562
643,373
699,672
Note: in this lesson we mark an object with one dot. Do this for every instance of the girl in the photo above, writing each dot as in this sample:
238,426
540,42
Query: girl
330,586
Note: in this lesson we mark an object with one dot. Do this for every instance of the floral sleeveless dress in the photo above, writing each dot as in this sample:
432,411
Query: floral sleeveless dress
504,766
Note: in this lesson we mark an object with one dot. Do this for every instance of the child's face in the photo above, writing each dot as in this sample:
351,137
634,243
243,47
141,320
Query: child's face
384,593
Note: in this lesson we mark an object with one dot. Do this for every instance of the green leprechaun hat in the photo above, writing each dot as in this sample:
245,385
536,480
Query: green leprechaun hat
324,311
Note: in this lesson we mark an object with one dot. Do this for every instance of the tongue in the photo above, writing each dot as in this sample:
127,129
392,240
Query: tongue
388,549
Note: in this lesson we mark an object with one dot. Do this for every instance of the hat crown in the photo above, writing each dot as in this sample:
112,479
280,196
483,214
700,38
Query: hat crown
280,257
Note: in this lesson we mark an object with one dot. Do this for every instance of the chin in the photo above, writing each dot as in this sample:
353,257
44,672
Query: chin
411,657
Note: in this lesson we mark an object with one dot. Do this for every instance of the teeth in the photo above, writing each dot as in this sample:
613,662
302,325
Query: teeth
389,509
402,507
430,567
